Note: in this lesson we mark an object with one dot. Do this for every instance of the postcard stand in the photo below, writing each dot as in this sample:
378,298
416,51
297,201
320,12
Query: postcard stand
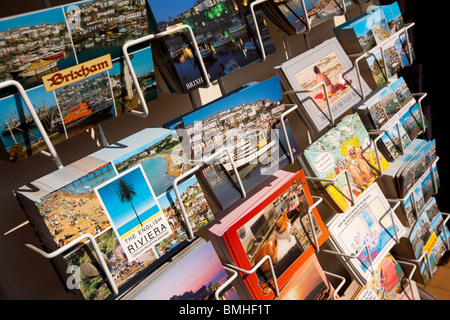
283,126
29,105
255,267
217,155
144,113
419,102
305,33
360,56
444,223
310,209
61,250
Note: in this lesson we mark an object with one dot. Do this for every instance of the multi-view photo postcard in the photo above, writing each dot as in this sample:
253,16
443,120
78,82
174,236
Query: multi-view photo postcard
97,29
45,43
248,125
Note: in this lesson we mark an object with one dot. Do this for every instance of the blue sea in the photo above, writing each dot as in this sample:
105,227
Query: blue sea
23,138
155,170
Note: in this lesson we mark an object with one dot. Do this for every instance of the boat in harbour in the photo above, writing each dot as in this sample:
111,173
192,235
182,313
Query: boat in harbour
53,55
221,40
82,112
39,67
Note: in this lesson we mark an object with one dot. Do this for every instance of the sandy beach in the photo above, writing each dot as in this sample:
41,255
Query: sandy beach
69,215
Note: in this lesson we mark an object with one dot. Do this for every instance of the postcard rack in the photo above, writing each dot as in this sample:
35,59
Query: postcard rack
361,56
52,152
305,33
82,239
396,123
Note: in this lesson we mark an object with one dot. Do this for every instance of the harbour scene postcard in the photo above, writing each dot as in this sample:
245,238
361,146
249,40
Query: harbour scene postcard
224,34
34,44
45,45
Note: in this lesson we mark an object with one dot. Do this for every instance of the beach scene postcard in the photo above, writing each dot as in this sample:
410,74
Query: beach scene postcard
74,210
134,212
161,159
33,45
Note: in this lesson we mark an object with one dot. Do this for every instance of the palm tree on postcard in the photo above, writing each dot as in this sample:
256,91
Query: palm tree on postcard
126,192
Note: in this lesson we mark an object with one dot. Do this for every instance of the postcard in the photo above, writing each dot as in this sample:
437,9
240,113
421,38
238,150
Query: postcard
395,140
124,90
97,29
308,283
327,63
20,136
278,226
88,276
196,206
393,17
316,13
35,44
94,103
135,215
345,147
402,92
248,124
369,225
224,32
74,209
195,274
388,283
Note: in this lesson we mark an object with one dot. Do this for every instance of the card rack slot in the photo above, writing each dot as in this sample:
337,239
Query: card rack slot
144,112
70,245
338,287
51,150
255,267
